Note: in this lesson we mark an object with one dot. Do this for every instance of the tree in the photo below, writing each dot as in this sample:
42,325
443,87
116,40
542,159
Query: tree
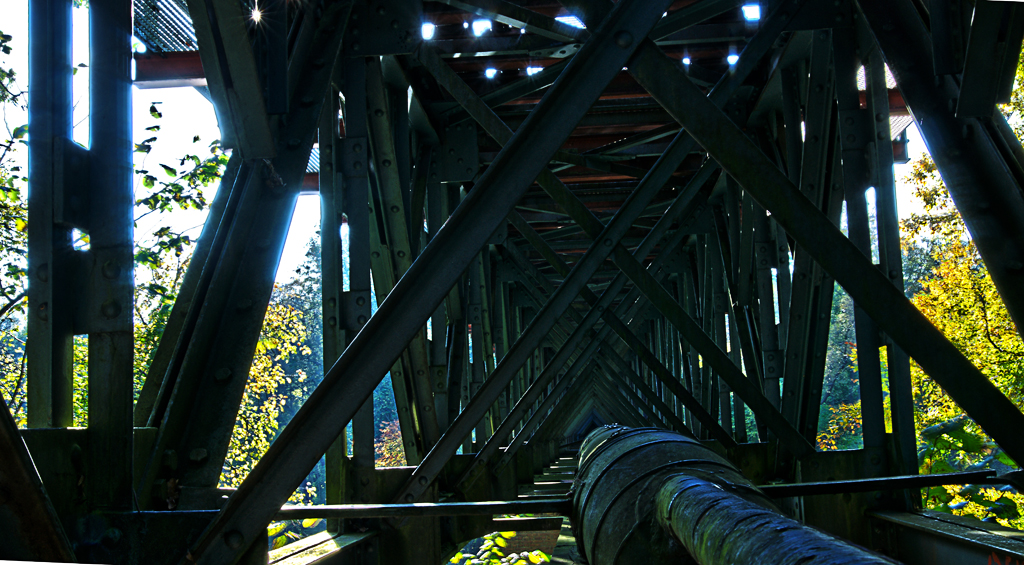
960,298
304,294
266,394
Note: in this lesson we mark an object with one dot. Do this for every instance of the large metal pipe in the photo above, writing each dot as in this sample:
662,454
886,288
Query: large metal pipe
646,495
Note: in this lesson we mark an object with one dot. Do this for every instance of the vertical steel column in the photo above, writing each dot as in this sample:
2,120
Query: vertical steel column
499,330
708,377
719,301
691,365
856,135
439,327
332,280
764,254
111,337
476,336
820,314
739,411
901,397
392,180
810,178
354,306
49,242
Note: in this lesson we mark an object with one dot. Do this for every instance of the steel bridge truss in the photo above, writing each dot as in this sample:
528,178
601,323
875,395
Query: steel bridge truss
642,228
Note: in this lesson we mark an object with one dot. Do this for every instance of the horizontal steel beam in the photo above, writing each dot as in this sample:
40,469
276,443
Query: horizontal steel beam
559,506
877,484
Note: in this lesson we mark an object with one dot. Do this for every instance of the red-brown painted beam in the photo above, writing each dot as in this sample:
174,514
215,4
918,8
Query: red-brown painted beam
160,70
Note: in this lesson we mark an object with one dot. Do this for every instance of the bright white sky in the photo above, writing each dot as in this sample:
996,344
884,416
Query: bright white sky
186,113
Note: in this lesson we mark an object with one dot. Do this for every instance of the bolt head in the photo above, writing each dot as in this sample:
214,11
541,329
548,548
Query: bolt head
234,539
624,39
110,309
111,270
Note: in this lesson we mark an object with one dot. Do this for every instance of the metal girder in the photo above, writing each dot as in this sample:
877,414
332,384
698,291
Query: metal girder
643,405
683,209
993,51
111,240
716,358
613,394
548,421
970,153
584,269
692,15
212,360
856,135
566,388
415,297
161,378
49,318
206,244
438,354
890,260
34,530
650,397
336,332
886,304
813,180
484,508
512,91
516,16
817,309
90,291
393,210
493,125
949,29
231,76
406,401
353,307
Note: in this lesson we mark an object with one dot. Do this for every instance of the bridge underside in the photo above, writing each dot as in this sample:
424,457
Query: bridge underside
635,215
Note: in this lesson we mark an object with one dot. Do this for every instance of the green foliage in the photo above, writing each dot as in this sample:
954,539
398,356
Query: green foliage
388,447
959,297
13,243
843,428
303,293
266,395
947,280
492,552
183,191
